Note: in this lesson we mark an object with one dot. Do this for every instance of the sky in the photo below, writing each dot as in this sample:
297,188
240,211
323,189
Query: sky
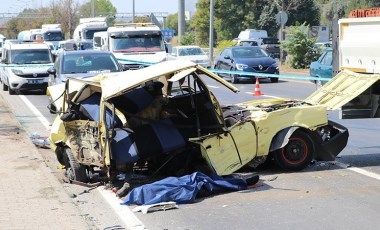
122,6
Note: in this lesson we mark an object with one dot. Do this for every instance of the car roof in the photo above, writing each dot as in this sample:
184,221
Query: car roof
28,45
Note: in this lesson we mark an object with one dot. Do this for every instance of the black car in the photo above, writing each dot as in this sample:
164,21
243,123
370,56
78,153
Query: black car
81,64
247,59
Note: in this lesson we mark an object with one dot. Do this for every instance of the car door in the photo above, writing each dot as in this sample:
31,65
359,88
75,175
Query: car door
324,69
229,151
225,60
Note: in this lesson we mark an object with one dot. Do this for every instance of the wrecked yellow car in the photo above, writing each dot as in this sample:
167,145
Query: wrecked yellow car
164,117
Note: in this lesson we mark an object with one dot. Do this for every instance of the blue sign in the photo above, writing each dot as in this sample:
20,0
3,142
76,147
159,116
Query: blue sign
167,33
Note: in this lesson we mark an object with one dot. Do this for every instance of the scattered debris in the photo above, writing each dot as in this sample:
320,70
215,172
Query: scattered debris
163,206
41,142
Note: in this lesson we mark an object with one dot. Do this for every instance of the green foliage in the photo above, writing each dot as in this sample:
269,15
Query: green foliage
103,8
201,22
188,39
172,22
225,43
301,50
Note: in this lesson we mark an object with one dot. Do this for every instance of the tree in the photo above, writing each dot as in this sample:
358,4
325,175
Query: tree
172,22
201,22
301,50
102,8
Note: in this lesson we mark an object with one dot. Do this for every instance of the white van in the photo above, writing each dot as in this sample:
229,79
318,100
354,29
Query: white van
249,34
24,66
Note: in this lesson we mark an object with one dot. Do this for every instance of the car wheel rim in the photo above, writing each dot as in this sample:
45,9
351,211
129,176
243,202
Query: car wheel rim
295,152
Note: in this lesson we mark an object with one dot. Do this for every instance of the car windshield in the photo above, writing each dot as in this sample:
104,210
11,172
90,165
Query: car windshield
138,43
190,51
87,63
248,52
30,56
53,36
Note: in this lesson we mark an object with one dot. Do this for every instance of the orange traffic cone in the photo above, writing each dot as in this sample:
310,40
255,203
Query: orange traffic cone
257,89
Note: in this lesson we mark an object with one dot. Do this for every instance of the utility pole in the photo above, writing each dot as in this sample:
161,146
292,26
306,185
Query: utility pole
133,11
93,8
181,19
211,38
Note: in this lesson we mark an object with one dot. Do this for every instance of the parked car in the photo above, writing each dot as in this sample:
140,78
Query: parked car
247,59
190,53
322,68
165,118
24,66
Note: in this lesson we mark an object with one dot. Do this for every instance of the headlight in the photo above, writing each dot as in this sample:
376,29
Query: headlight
17,71
275,65
241,66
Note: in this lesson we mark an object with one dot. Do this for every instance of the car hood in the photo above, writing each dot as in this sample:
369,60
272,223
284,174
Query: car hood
264,61
341,89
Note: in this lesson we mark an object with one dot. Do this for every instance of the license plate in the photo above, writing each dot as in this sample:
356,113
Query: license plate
35,81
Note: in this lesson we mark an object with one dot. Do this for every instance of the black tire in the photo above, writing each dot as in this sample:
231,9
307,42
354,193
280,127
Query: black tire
233,77
74,170
5,87
274,79
11,91
297,154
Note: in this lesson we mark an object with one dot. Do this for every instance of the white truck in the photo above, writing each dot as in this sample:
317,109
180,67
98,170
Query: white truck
135,45
88,26
52,33
359,51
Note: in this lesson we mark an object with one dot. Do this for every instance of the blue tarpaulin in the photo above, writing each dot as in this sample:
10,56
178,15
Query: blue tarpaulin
182,189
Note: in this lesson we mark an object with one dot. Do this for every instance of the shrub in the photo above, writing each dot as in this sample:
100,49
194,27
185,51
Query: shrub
301,50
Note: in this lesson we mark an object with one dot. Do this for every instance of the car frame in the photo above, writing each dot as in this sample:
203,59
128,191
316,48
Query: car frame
263,64
96,125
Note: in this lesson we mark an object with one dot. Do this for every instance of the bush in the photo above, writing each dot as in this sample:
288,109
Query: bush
225,43
301,50
188,39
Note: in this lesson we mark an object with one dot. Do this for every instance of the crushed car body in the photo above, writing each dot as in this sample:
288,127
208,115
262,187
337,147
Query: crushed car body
166,113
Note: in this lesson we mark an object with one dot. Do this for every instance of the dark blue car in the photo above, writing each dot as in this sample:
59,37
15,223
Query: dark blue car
248,59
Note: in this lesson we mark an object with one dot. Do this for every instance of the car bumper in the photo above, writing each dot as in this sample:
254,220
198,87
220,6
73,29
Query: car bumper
19,83
328,150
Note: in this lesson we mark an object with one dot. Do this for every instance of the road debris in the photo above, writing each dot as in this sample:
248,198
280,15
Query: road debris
163,206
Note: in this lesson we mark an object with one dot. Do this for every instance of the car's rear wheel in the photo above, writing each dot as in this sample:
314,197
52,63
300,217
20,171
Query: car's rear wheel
297,153
74,170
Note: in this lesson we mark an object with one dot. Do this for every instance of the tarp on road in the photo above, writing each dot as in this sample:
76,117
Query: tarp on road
182,189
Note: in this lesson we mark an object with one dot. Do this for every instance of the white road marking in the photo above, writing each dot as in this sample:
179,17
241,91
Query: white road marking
36,112
359,170
123,211
264,95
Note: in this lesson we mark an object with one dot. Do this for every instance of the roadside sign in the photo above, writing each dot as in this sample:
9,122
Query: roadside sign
281,17
167,34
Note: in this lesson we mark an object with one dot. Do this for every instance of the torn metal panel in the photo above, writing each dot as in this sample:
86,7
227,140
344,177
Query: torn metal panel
340,90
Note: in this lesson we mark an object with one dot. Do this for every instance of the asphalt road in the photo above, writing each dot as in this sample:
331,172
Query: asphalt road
336,195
